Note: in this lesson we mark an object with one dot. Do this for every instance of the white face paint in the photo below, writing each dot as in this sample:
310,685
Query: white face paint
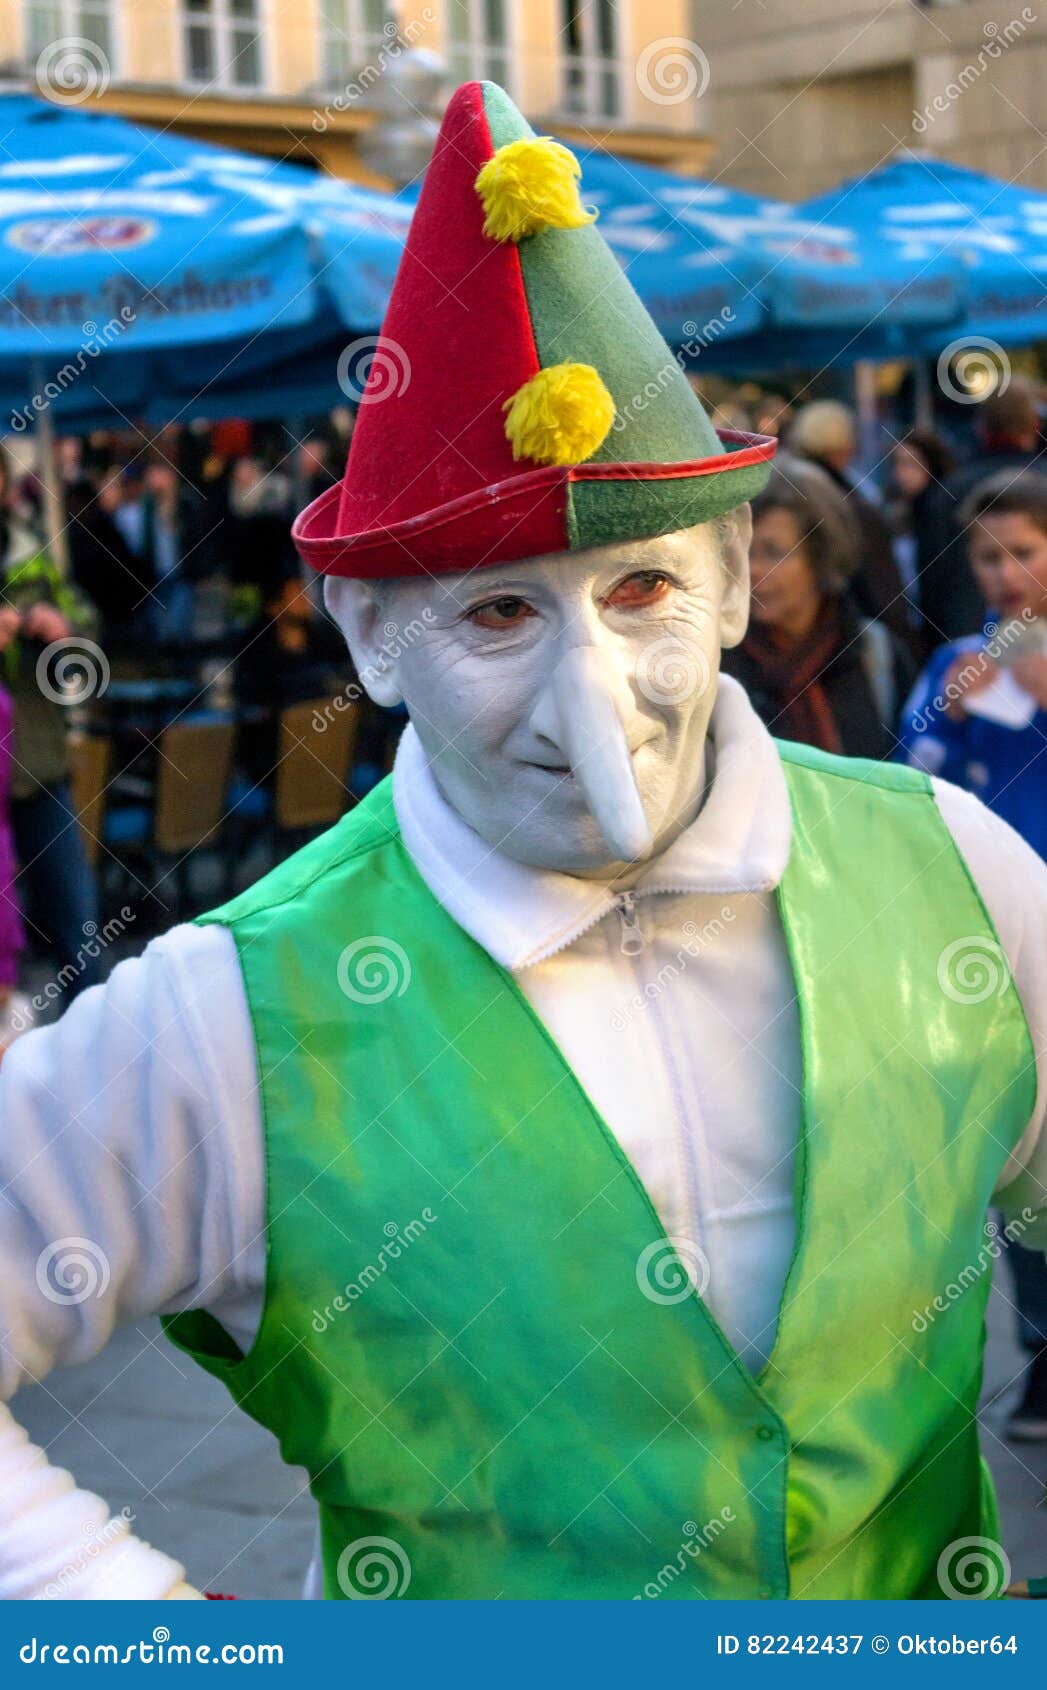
562,702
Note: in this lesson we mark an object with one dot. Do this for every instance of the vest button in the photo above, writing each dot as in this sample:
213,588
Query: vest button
765,1432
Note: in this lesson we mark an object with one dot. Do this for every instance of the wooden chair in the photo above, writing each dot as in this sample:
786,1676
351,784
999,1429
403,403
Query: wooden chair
90,756
314,750
192,779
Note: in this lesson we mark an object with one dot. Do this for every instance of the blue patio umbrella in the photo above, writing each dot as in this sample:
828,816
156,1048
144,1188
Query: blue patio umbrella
791,286
931,214
146,273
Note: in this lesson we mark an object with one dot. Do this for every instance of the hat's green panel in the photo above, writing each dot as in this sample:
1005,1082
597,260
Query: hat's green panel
583,309
603,512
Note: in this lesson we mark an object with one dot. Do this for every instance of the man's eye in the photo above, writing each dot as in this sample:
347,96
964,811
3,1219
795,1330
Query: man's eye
501,613
647,586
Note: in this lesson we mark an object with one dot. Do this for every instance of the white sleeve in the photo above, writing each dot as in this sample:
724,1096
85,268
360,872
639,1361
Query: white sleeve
131,1183
1012,881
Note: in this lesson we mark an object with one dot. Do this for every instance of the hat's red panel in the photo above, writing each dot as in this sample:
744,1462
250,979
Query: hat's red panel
525,516
458,327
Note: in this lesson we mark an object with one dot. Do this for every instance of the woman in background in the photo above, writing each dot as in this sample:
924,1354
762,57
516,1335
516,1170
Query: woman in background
919,465
815,668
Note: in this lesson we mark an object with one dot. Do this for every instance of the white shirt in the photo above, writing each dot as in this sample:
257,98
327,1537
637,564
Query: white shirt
134,1123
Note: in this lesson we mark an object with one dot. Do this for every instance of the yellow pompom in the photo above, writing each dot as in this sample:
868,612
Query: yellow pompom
530,185
561,416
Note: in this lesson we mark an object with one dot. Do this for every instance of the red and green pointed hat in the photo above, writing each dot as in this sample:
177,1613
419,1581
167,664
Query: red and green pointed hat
521,400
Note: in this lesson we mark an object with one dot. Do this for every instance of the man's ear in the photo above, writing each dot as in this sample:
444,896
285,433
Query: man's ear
734,602
354,606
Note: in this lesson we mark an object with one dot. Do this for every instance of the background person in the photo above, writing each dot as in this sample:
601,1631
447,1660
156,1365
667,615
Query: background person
942,731
1007,426
815,669
919,464
826,432
39,609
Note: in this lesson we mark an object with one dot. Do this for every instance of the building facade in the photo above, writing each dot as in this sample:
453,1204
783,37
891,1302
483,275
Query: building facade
805,92
301,78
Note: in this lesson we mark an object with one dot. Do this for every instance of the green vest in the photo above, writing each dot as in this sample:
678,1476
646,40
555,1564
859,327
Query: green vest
477,1338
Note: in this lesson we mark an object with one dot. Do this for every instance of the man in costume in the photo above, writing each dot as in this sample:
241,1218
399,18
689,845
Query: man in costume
583,1150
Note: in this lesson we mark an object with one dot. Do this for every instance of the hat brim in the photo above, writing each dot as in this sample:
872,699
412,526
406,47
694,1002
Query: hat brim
550,508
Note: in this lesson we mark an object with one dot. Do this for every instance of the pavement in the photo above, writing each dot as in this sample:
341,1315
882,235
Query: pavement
152,1433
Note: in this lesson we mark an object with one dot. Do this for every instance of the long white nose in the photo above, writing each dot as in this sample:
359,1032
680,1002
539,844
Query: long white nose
586,701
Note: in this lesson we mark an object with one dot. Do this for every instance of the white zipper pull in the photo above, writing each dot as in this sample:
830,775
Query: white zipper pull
632,933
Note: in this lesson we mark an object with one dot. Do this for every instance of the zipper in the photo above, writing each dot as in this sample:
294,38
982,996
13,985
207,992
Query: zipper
632,939
632,944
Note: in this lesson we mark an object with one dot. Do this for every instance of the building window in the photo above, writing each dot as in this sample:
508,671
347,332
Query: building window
51,22
592,71
222,43
478,41
353,34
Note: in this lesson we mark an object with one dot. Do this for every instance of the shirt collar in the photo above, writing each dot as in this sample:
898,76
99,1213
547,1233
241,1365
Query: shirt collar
738,842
